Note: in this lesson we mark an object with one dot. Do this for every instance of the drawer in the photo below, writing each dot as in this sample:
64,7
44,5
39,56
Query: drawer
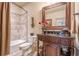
65,42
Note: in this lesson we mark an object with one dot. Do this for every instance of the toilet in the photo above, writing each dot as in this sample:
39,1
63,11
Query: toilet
25,47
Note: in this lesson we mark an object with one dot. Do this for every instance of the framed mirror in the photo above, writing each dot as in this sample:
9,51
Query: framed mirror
57,15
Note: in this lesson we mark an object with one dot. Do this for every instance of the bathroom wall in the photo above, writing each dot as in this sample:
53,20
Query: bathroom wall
35,10
19,22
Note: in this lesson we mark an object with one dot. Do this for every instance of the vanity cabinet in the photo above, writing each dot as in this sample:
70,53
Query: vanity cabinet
52,45
52,50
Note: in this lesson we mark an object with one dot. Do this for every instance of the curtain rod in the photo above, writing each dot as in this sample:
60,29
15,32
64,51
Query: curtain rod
19,6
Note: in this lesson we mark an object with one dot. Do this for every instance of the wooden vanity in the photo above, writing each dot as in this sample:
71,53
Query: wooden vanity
52,45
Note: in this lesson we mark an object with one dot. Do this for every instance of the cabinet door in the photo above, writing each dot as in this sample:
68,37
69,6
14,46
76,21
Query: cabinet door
52,50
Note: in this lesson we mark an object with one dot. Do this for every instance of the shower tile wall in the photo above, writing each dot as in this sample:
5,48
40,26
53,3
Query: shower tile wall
18,26
18,29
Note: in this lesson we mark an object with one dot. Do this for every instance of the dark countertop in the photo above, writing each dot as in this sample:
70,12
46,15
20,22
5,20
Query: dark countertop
58,36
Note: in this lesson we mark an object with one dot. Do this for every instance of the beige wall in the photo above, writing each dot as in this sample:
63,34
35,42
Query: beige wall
34,10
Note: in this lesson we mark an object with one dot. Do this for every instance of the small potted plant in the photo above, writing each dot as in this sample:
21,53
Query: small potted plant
44,24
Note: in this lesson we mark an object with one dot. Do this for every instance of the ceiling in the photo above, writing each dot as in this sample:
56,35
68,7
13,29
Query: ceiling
22,4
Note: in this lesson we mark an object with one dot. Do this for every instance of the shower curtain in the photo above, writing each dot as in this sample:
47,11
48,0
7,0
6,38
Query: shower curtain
4,22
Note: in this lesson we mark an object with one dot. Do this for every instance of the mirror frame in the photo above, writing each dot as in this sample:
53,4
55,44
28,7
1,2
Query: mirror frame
68,15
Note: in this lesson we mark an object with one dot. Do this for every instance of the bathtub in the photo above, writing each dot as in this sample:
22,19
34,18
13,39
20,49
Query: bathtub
14,47
16,42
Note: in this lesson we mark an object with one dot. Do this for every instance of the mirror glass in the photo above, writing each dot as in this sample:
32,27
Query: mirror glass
56,15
